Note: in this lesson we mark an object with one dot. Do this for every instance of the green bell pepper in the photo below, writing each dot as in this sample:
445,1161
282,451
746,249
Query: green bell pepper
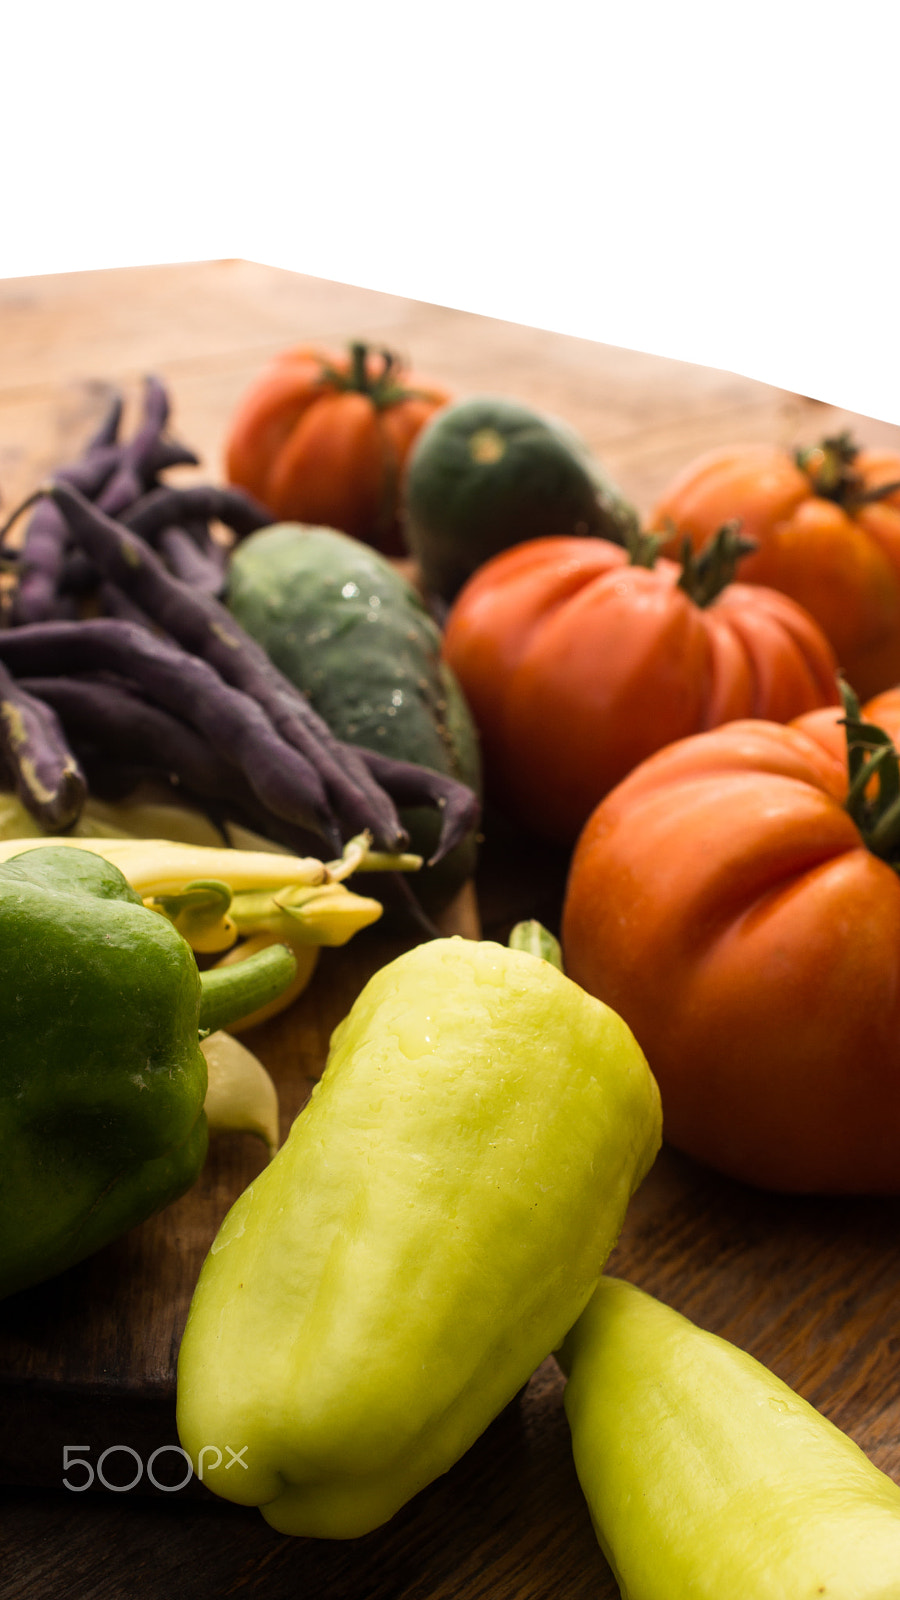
102,1079
436,1221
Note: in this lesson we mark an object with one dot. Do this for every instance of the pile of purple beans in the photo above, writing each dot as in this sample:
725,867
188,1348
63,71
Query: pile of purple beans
119,662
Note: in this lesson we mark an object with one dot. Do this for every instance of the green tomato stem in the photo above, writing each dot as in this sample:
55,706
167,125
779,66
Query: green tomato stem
885,835
871,754
643,548
705,573
830,468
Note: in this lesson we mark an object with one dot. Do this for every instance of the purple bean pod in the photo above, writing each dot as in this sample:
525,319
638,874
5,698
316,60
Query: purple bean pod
171,503
110,717
411,785
200,565
111,602
78,575
47,536
107,430
47,778
164,454
234,724
43,553
207,630
109,777
92,469
123,739
127,482
105,467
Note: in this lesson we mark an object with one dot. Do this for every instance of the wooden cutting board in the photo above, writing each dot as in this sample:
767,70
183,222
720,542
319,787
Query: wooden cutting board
811,1287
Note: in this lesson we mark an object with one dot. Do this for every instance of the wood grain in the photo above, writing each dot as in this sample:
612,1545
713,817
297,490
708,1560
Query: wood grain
810,1287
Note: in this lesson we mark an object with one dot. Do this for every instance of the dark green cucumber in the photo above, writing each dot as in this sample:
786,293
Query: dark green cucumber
349,630
488,473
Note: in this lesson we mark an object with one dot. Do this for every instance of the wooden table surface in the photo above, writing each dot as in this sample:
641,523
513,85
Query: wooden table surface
808,1286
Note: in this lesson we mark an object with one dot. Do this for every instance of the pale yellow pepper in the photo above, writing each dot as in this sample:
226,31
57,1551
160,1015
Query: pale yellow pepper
707,1478
437,1219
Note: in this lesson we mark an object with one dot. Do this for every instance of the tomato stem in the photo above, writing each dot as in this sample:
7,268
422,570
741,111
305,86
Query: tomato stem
870,497
705,573
361,381
865,774
383,388
643,548
871,756
830,467
885,836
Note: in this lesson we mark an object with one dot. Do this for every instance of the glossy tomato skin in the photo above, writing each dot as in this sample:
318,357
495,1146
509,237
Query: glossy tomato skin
841,564
723,902
315,452
578,665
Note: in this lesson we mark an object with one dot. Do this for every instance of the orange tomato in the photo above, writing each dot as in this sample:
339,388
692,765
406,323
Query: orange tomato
578,664
322,438
724,901
820,538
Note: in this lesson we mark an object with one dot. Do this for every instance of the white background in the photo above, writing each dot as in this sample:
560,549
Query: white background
717,182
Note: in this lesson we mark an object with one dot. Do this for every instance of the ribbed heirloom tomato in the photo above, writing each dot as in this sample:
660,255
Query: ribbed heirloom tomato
322,438
578,660
735,901
826,523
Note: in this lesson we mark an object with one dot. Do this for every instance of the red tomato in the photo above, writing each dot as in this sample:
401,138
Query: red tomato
577,665
820,538
725,903
322,439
